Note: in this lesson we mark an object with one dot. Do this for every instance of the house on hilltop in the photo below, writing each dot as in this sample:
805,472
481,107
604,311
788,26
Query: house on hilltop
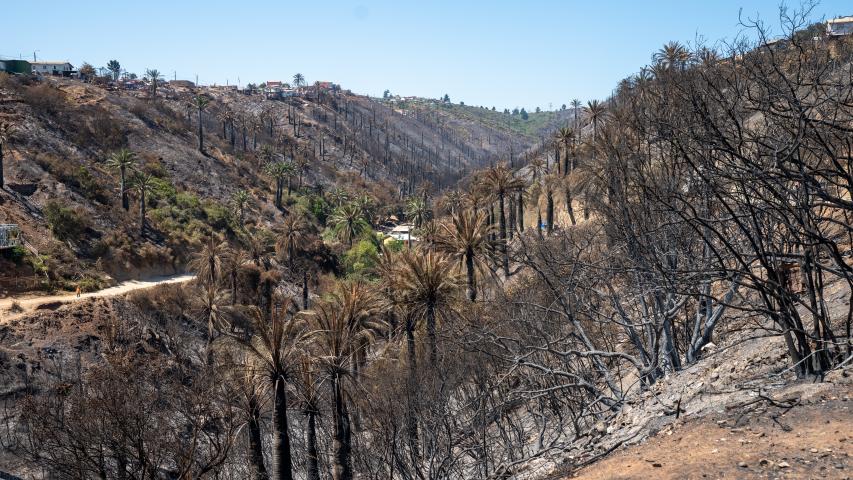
63,69
838,27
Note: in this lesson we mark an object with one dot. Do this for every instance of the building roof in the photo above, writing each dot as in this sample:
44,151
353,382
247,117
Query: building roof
841,20
50,63
403,227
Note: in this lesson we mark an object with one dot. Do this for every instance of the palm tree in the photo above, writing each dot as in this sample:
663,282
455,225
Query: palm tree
200,102
122,160
566,136
501,181
338,196
417,211
241,198
673,55
280,172
466,238
6,130
245,377
550,184
594,111
294,233
207,262
347,222
276,346
142,184
427,284
576,106
231,263
309,387
153,76
342,326
298,80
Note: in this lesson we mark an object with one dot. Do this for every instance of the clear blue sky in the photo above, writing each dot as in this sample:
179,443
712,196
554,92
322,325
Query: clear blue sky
523,53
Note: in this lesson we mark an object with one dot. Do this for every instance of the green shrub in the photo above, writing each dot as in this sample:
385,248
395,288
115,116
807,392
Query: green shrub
64,222
15,254
361,259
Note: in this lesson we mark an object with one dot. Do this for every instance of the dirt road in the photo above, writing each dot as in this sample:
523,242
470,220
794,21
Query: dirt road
31,303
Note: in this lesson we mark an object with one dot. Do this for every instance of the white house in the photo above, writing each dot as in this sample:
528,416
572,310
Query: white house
840,26
403,233
64,69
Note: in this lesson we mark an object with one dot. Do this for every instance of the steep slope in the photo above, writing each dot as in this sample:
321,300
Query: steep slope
64,195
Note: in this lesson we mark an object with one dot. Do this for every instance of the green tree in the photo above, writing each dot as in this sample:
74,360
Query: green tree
417,211
114,67
347,222
122,160
153,75
298,80
281,172
143,185
240,199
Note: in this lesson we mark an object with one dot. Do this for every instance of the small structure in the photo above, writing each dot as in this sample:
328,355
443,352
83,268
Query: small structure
21,67
403,233
63,69
10,235
839,27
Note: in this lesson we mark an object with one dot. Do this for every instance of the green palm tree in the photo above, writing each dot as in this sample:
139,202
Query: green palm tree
200,102
153,75
417,211
342,326
122,160
6,130
142,184
298,80
241,198
466,239
428,285
347,222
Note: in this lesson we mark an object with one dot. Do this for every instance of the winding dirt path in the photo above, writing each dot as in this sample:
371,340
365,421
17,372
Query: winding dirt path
31,303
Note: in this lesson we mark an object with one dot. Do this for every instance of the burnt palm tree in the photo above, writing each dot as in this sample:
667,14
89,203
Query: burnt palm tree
294,233
200,102
276,347
308,384
500,181
566,136
6,130
342,326
673,55
122,160
466,239
142,184
251,400
232,261
207,262
281,172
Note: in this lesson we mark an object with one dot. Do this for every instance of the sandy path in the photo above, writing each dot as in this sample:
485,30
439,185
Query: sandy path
31,303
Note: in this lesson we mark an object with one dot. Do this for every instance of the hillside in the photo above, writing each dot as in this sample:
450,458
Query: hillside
65,196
